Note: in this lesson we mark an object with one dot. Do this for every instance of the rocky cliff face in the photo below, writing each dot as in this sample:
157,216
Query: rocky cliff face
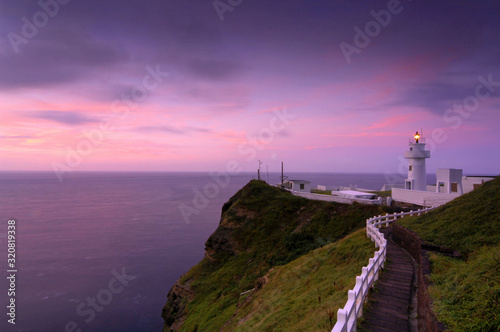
260,227
173,311
219,243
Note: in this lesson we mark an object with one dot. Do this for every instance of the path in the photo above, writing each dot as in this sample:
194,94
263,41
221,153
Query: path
389,303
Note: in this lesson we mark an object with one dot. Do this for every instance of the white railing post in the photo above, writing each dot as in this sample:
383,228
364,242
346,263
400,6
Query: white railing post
359,296
341,325
364,276
352,315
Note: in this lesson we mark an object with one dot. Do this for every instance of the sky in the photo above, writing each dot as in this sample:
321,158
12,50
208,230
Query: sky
324,86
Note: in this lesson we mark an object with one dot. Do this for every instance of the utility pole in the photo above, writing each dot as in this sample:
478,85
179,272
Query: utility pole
282,179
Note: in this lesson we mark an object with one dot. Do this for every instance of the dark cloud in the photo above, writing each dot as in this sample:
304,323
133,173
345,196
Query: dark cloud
441,94
215,69
435,97
89,40
66,117
67,56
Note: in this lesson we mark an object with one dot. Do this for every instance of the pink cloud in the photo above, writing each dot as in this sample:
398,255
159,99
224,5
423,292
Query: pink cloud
395,121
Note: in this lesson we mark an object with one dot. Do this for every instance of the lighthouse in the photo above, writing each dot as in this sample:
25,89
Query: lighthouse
416,164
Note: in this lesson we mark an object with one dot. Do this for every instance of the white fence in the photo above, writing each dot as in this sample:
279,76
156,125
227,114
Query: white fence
347,316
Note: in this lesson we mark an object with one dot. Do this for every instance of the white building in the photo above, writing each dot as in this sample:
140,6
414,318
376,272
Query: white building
450,182
470,183
297,185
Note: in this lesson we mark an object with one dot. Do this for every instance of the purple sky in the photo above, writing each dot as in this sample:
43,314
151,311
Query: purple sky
332,86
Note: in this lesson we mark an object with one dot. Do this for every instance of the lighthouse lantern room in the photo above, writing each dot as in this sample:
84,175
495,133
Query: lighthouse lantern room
416,159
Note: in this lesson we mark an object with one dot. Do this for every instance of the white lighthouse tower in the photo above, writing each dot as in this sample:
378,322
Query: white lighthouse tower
416,159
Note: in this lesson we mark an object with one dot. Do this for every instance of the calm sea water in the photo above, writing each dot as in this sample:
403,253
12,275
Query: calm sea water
101,250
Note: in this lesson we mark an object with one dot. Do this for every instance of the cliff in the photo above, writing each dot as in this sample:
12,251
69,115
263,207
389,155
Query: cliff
262,229
279,262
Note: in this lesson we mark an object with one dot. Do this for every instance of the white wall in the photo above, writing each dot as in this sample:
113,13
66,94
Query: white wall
388,187
447,176
468,182
307,186
338,199
422,198
295,185
329,188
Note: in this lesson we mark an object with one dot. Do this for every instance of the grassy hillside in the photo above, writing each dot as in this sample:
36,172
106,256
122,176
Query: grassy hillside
305,294
263,227
466,292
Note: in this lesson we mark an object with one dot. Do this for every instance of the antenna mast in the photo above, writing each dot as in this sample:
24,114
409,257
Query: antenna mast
283,177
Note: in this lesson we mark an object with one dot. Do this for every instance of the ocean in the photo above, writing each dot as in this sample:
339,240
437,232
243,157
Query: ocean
99,251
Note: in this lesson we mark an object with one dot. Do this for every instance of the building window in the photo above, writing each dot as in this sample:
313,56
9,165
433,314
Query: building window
301,186
411,148
411,168
476,186
454,187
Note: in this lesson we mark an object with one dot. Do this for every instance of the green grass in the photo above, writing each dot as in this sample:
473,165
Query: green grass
465,224
466,292
305,294
263,227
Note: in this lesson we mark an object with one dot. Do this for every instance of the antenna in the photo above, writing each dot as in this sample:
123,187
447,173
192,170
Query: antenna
283,177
